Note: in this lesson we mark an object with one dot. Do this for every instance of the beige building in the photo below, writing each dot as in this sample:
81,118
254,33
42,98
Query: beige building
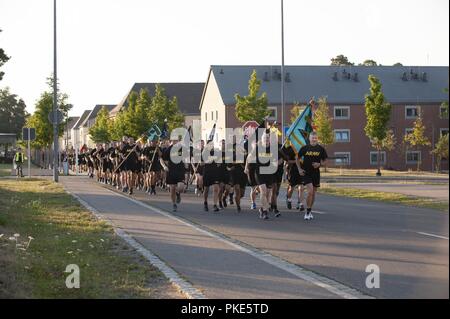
410,90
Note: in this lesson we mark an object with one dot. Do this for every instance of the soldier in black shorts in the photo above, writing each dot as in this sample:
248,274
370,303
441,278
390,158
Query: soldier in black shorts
264,181
225,185
294,178
175,174
211,164
238,178
154,166
277,179
314,156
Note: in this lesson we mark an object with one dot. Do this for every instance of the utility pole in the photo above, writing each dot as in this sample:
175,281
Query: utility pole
55,103
282,70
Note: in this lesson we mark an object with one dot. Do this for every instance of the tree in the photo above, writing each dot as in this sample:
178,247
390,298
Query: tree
100,132
164,108
378,113
136,115
417,137
369,63
341,60
441,151
12,112
39,120
444,105
252,107
323,122
296,110
397,64
3,59
117,127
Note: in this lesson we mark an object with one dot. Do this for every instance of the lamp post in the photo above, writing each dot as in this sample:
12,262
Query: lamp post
282,70
55,103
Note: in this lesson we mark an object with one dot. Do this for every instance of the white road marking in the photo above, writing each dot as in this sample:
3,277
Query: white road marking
332,286
182,285
432,235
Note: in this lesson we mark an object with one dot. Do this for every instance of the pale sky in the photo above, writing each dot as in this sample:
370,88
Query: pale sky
107,45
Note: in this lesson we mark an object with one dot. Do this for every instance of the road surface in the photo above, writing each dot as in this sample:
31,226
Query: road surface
409,245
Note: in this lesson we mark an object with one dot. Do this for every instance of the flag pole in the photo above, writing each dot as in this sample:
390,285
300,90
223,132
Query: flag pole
282,69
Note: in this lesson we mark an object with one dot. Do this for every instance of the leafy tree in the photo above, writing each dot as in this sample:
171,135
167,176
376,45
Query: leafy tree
444,105
138,121
100,132
323,123
296,110
369,63
341,60
417,137
117,127
39,120
164,108
12,112
3,59
252,107
378,113
397,64
441,150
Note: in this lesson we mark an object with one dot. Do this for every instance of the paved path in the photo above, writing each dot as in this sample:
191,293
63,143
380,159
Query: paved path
439,192
410,245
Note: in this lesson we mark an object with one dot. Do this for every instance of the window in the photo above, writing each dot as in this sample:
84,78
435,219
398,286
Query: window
273,113
412,111
374,158
342,158
408,130
206,116
342,136
444,131
212,115
443,112
413,157
342,112
217,115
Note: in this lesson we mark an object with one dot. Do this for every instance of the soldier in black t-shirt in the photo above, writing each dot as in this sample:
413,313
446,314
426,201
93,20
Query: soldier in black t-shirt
211,174
295,180
314,156
175,173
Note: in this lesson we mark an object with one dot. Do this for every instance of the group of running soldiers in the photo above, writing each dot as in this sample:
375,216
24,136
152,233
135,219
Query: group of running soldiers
128,165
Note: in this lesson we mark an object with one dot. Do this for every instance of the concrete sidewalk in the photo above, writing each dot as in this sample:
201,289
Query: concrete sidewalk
214,266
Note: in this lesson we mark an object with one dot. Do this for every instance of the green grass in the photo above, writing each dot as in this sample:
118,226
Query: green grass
335,172
65,233
386,197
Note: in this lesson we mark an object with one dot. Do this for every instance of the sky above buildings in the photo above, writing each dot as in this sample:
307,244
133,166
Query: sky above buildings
104,46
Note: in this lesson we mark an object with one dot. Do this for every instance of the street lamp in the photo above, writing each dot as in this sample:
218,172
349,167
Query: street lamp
282,70
55,102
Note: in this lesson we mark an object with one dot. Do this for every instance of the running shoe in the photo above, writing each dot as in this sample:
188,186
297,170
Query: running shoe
216,209
253,206
302,208
238,208
288,204
174,208
277,212
205,207
178,198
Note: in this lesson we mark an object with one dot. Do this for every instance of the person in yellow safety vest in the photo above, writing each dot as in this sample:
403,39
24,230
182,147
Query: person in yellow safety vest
19,158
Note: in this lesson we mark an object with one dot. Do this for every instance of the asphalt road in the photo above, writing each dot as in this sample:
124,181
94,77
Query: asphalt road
409,245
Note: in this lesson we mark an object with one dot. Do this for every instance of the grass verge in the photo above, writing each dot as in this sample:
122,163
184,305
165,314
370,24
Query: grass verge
386,197
64,233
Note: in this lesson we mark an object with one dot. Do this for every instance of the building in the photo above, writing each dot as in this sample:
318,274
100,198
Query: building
76,131
408,89
66,140
188,97
89,121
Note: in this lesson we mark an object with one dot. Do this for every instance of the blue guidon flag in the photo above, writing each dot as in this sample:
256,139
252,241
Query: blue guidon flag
154,132
298,133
